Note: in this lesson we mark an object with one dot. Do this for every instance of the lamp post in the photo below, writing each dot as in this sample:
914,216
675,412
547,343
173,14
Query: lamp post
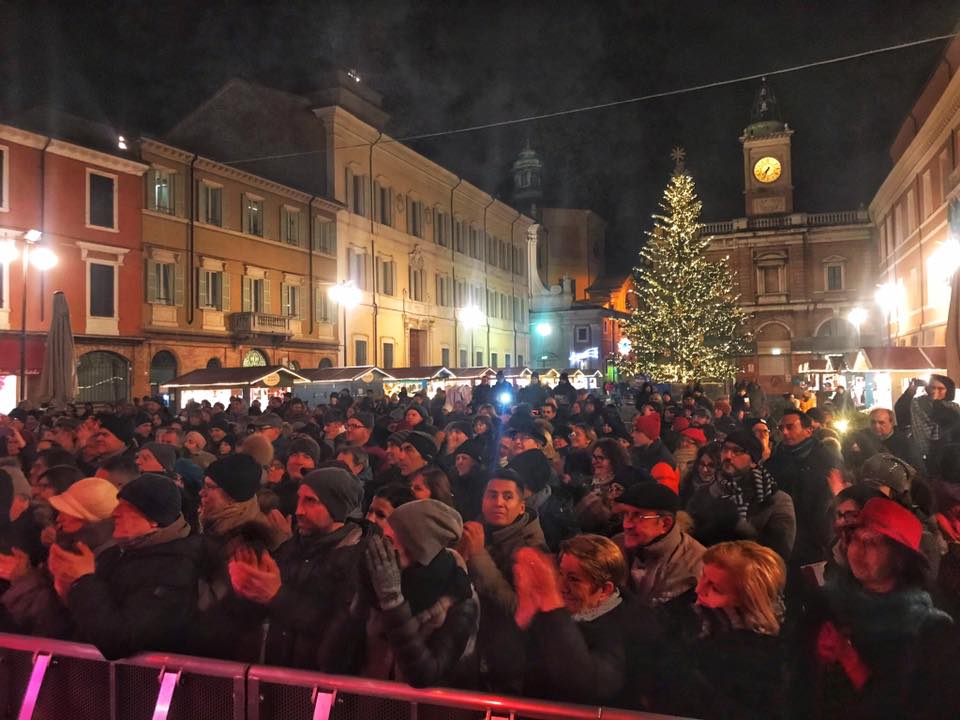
347,296
472,317
888,298
42,258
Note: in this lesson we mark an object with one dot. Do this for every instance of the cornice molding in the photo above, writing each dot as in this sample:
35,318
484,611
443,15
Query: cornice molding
95,157
22,137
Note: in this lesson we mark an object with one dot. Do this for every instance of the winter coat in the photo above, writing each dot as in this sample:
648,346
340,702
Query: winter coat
609,660
140,598
654,453
501,643
801,471
664,574
319,581
865,444
468,492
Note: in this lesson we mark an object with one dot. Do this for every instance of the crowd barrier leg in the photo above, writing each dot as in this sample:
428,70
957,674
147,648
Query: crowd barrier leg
323,704
168,685
41,661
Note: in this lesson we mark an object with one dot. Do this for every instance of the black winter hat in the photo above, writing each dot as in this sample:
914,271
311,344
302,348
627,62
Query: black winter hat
122,428
533,467
746,440
305,445
650,496
463,426
339,491
156,496
423,443
365,419
237,475
473,448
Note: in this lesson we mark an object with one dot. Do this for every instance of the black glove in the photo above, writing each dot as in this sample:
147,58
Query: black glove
384,573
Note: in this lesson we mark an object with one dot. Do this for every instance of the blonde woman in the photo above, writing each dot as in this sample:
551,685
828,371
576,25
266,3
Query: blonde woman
737,652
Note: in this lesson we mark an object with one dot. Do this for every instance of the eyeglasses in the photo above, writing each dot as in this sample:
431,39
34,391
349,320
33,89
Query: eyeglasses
354,426
599,458
707,464
848,515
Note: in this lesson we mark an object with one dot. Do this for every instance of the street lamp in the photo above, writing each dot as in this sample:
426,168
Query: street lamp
347,296
857,317
544,329
42,258
472,317
888,296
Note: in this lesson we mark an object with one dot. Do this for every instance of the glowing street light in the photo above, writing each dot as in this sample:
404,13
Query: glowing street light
472,317
624,346
544,329
347,296
857,317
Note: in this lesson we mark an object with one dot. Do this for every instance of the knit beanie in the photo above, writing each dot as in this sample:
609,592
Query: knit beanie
649,425
533,468
237,475
165,454
680,424
886,470
305,446
423,443
92,499
156,496
695,434
472,448
746,440
339,491
365,419
122,428
425,527
420,410
460,425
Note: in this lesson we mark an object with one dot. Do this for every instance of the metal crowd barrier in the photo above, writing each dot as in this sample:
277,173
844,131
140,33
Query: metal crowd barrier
42,679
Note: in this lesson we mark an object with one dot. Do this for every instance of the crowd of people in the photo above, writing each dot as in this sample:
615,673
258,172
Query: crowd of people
688,556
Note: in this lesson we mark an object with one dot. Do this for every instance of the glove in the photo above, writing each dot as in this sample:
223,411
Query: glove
384,573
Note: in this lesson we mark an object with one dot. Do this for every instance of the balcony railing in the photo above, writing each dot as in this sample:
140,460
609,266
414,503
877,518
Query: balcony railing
253,323
774,222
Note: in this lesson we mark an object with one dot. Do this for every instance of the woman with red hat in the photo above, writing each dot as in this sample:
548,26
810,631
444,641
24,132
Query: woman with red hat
876,645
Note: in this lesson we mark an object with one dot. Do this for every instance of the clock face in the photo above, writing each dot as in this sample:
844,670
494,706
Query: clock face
767,169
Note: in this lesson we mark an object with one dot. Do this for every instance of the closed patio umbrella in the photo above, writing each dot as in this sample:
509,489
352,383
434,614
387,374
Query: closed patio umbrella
58,381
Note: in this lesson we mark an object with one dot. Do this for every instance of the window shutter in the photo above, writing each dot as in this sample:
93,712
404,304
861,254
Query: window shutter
266,295
247,300
318,303
201,199
244,214
224,291
177,196
151,189
285,299
151,283
201,288
177,285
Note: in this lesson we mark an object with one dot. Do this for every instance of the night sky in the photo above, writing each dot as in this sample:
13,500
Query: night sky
449,64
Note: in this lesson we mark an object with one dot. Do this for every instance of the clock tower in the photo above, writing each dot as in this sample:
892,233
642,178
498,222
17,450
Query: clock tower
767,167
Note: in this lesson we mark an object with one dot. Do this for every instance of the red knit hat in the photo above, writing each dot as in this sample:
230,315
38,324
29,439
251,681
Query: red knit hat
681,424
649,425
892,520
695,434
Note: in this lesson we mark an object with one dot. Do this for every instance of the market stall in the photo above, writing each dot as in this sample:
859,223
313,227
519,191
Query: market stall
220,384
358,380
880,375
415,379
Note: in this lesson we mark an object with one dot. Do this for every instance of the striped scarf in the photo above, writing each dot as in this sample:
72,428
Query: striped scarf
732,488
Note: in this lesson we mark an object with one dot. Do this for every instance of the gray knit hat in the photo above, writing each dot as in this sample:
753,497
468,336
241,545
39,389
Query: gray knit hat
339,491
425,527
165,454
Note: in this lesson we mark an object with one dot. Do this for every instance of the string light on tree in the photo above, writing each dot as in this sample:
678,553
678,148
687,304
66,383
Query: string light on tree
688,324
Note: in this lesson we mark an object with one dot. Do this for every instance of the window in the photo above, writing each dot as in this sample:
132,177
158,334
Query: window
414,217
463,358
356,192
383,204
475,247
583,334
506,360
387,276
444,298
210,201
325,236
358,267
290,297
493,360
324,311
290,221
210,289
161,194
441,229
458,235
519,360
360,352
101,200
102,291
445,357
834,277
387,355
161,282
416,284
770,270
479,358
253,215
4,177
460,293
927,196
256,294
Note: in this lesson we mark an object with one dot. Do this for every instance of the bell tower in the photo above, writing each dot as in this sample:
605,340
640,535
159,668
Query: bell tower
767,165
527,175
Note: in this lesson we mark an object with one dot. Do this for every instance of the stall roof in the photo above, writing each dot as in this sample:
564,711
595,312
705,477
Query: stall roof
427,372
473,373
516,371
234,377
547,372
899,359
586,373
814,365
344,374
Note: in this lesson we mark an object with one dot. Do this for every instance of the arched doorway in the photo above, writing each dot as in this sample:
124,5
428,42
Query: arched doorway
836,335
773,350
214,364
103,377
163,369
325,363
255,358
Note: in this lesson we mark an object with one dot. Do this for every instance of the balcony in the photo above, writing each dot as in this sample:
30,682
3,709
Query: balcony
245,324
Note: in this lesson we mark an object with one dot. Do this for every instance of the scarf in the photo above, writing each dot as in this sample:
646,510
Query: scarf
423,585
221,521
177,530
750,491
605,606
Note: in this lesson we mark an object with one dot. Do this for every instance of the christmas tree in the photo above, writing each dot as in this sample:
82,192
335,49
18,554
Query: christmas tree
688,324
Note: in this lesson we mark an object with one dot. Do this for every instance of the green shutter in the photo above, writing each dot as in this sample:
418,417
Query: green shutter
266,296
247,303
177,285
201,288
151,283
225,291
